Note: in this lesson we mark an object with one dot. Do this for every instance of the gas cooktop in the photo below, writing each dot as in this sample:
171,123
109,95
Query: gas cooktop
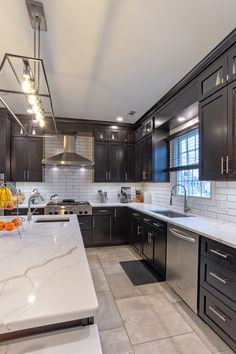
68,206
68,202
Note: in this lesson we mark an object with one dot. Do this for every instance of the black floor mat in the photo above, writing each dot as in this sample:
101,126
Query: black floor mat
139,272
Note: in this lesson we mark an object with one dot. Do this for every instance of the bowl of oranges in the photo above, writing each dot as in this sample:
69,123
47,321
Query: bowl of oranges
9,225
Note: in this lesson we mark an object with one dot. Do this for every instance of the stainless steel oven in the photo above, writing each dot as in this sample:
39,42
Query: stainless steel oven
182,264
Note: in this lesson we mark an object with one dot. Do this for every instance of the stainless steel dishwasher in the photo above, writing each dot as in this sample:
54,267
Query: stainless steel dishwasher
182,264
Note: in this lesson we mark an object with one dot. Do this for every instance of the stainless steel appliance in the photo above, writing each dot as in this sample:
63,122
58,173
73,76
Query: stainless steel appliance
68,206
125,195
103,196
182,264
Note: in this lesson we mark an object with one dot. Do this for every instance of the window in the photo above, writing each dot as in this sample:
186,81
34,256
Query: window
184,159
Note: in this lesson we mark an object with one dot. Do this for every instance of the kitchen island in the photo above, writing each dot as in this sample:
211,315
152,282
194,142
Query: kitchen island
45,281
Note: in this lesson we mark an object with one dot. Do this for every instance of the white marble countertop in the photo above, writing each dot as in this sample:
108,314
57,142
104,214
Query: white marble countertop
44,276
217,230
84,340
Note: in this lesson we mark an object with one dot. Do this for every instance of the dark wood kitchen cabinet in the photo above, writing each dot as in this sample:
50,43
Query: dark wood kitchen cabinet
26,159
213,136
154,244
217,117
5,139
137,230
101,161
109,161
119,225
102,226
143,160
129,162
217,293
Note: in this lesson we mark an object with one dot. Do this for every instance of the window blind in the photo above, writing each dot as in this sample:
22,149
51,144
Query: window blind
184,151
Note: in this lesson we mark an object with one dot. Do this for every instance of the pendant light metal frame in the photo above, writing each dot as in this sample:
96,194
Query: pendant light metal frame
38,62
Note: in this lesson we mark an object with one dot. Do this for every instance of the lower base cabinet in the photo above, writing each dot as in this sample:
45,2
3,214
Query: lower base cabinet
217,294
149,240
85,223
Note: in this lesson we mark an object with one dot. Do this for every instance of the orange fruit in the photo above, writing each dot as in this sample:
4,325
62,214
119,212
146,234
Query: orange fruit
16,221
2,225
10,226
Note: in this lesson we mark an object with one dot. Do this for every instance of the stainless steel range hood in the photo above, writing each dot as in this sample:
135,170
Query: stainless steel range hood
68,157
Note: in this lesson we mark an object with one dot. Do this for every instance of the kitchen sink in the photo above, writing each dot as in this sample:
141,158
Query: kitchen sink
171,214
52,220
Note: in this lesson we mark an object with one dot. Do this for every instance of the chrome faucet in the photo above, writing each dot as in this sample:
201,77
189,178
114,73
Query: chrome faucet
186,208
32,197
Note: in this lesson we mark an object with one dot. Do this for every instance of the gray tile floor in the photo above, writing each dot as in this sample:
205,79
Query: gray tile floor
147,319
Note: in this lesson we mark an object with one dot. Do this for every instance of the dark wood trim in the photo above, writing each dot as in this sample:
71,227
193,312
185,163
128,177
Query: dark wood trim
46,329
181,168
224,45
183,131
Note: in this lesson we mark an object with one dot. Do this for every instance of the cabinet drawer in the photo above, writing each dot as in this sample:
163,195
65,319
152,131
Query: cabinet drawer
102,211
219,280
24,211
222,254
85,222
219,316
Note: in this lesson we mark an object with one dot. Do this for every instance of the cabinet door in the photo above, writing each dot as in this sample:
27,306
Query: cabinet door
231,130
102,229
213,136
116,162
34,159
129,162
149,159
137,230
148,243
19,159
101,161
143,160
232,63
5,145
138,167
213,78
119,229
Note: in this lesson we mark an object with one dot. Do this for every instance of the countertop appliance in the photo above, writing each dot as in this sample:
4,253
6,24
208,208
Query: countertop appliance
125,195
68,206
103,196
182,264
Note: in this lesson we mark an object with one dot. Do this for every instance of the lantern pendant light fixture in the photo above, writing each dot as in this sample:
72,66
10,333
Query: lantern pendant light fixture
30,74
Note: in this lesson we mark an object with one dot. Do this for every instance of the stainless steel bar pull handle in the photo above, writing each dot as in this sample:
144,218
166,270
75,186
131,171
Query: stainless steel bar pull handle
227,165
223,317
126,176
214,275
183,237
219,253
157,225
103,211
24,175
106,176
222,170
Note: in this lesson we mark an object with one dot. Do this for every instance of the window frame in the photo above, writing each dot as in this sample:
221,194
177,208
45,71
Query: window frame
175,170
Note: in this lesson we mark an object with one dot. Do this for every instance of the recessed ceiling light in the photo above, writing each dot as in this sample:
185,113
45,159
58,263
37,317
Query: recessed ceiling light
30,111
119,119
114,127
181,119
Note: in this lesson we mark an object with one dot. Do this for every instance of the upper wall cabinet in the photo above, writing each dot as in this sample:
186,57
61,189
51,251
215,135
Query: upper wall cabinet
5,136
143,160
119,135
26,159
109,161
218,74
217,117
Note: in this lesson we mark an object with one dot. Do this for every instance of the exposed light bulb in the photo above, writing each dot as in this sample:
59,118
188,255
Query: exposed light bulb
41,123
21,131
35,108
26,84
39,115
32,99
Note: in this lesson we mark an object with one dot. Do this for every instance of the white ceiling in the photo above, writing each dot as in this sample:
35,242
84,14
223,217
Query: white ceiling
106,57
